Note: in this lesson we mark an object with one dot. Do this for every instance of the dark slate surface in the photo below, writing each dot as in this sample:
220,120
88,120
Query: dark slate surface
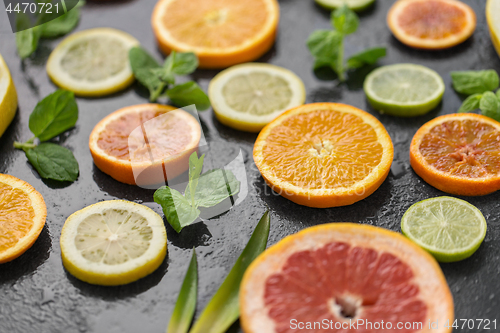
38,295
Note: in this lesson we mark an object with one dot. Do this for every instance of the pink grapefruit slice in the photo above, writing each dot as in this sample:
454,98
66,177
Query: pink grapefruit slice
325,278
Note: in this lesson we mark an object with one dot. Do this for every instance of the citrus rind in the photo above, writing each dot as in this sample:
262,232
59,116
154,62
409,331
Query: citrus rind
8,97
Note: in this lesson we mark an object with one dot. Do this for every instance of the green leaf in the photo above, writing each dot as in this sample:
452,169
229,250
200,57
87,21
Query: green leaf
189,93
324,45
366,57
186,301
475,82
26,38
62,24
54,115
145,68
223,309
213,187
471,103
181,63
195,168
490,105
323,62
345,20
498,93
53,162
140,58
176,207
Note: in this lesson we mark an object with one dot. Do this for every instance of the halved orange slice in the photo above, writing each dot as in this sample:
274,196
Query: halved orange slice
22,217
431,24
458,154
222,33
324,154
345,277
144,144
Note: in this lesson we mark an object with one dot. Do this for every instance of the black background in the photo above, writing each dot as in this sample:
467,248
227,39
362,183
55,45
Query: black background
36,293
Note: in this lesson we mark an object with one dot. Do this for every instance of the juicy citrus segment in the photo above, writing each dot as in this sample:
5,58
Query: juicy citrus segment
341,272
492,16
431,24
93,62
324,154
222,33
249,96
22,217
458,154
450,229
152,139
8,97
404,90
113,242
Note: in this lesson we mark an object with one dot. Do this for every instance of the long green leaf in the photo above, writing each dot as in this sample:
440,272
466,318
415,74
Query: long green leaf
186,301
223,309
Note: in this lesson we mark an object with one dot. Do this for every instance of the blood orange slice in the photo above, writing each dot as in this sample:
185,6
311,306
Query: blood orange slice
431,24
348,278
144,144
458,154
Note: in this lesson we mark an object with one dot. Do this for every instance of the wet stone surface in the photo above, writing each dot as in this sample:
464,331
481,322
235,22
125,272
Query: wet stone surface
38,295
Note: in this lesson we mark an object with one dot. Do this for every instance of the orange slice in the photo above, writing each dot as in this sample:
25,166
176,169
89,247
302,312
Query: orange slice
144,144
458,154
324,154
22,217
222,33
349,278
431,24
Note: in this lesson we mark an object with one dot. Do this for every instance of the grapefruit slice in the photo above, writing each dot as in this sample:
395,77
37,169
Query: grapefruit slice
22,217
431,24
145,144
343,273
324,154
458,154
222,33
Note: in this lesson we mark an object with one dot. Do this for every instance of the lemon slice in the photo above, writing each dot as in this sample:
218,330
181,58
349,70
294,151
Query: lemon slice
113,242
8,97
493,18
404,90
93,62
249,96
450,229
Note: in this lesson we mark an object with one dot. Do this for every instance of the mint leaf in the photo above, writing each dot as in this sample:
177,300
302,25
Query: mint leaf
366,57
475,82
144,67
53,162
471,103
176,207
214,187
54,115
186,301
223,309
26,38
324,44
181,63
62,24
490,105
189,93
345,20
195,168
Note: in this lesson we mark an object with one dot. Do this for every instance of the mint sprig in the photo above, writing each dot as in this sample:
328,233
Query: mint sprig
52,116
203,190
327,46
479,85
27,39
160,80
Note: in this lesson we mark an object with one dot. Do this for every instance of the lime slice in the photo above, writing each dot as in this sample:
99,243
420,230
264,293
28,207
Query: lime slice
404,90
249,96
450,229
493,18
93,62
357,5
113,242
8,97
